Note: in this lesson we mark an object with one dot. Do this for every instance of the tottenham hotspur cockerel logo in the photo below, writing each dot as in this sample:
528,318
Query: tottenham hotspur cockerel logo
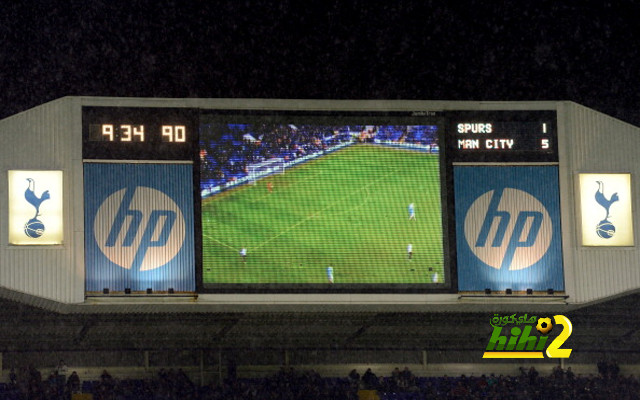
605,228
34,228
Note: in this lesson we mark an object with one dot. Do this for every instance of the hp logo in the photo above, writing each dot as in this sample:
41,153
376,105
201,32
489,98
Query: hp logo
508,229
139,228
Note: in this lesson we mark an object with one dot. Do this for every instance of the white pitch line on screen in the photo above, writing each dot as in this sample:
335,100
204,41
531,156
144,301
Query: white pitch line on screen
221,243
340,201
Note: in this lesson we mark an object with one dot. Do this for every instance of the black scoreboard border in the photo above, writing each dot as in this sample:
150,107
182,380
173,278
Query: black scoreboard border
370,117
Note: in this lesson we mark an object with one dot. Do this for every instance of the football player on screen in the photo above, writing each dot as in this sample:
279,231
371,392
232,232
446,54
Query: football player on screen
412,211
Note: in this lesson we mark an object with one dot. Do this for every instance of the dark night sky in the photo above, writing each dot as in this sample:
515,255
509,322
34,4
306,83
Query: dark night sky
584,51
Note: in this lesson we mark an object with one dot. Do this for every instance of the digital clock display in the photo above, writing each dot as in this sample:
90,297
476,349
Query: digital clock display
108,132
501,136
139,133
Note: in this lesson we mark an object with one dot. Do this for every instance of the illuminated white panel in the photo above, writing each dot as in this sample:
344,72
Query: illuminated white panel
35,207
605,204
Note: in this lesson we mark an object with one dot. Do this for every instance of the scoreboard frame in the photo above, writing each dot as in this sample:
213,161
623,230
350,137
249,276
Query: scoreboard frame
477,125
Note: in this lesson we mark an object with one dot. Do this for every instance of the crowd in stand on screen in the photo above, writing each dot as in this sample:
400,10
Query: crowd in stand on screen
290,384
226,156
229,156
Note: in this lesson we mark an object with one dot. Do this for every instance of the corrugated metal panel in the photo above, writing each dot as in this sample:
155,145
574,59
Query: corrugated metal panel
43,138
596,143
139,227
508,228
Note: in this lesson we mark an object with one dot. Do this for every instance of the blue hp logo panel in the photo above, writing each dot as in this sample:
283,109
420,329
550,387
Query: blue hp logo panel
508,228
139,227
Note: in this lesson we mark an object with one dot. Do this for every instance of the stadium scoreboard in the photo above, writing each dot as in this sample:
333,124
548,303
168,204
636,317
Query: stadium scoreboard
378,215
502,136
172,133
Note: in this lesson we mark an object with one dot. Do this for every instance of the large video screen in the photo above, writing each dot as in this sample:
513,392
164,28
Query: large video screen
321,201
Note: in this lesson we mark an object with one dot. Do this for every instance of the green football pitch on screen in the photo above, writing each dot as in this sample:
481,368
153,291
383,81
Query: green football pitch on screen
347,210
